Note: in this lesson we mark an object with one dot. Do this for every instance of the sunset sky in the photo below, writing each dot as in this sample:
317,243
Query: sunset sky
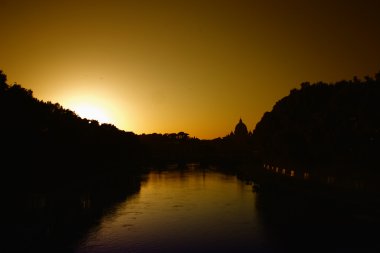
192,66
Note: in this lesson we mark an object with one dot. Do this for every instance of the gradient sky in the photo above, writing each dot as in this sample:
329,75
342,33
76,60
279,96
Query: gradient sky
193,66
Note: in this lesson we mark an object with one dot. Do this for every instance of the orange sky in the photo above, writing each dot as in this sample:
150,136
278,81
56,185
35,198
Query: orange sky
193,66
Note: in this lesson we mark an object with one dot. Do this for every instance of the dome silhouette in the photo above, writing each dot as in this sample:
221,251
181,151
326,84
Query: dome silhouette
241,129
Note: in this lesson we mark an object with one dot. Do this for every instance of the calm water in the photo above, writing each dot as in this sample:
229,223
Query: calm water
187,210
207,211
183,211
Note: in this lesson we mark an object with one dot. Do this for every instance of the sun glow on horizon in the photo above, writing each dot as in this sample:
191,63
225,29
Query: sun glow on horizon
91,112
92,103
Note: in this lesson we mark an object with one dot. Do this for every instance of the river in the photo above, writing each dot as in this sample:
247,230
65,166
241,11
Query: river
189,209
203,210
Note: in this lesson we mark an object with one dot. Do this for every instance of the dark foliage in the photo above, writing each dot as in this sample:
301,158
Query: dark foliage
173,148
43,143
323,125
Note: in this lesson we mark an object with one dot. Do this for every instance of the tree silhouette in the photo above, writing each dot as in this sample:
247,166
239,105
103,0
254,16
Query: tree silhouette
323,124
46,143
3,81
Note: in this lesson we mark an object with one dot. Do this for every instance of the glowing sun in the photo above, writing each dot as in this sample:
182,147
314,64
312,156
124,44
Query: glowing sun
92,112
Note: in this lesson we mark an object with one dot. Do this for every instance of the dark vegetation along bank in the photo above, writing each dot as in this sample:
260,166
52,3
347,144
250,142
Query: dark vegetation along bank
325,131
43,142
323,127
61,173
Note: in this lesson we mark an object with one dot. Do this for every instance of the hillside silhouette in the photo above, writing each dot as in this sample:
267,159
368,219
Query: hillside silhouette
44,143
62,174
323,125
326,126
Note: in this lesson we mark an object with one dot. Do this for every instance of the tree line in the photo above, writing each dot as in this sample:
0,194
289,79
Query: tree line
42,140
324,125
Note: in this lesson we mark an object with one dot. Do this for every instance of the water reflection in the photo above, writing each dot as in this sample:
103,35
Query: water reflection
183,211
198,210
191,209
297,222
322,213
360,179
56,219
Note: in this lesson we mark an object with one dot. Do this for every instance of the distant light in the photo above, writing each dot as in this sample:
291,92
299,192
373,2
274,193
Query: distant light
91,112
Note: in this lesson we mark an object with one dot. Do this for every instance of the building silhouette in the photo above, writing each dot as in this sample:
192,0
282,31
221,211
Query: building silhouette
241,130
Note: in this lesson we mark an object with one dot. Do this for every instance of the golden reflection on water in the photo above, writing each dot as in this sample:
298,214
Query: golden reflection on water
177,208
